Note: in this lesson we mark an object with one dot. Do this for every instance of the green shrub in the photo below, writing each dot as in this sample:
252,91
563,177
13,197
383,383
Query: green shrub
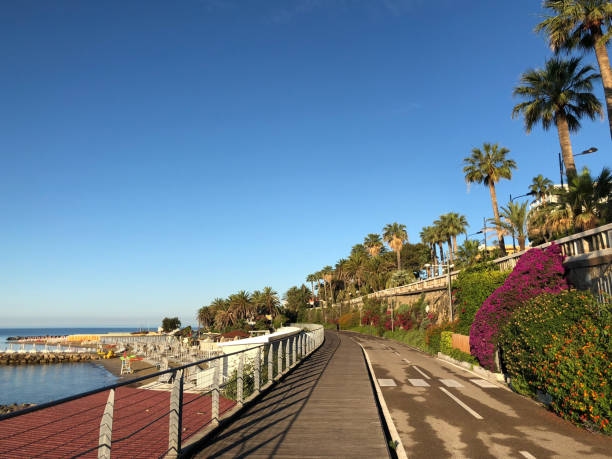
471,289
559,344
434,334
460,355
414,338
446,342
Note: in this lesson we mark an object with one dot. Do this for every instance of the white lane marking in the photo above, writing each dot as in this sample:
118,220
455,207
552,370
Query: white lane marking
461,404
396,353
406,360
419,370
418,382
527,455
483,383
386,383
451,383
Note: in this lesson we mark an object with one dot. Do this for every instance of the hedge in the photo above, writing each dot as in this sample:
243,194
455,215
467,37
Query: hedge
537,271
470,291
559,344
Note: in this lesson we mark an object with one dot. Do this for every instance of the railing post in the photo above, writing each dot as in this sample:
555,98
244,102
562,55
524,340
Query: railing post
257,369
287,354
240,379
270,362
215,392
106,428
280,358
294,348
175,427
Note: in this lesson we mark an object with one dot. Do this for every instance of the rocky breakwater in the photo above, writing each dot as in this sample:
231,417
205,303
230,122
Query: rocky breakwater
19,358
6,409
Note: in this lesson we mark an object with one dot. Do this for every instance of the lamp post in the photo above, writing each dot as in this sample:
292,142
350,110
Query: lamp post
531,193
585,152
450,298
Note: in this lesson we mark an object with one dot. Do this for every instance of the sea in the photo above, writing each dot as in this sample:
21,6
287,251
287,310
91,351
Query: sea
44,383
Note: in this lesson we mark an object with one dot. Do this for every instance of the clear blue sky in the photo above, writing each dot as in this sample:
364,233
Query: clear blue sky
157,154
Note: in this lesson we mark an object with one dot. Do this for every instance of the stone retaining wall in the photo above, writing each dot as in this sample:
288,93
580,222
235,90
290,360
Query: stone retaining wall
17,358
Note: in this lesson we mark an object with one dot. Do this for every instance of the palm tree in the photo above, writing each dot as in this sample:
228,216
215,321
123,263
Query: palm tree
584,25
588,199
455,225
467,253
540,188
312,278
561,94
223,319
269,301
489,167
241,305
428,237
444,232
395,236
205,316
373,243
356,267
328,275
515,221
439,237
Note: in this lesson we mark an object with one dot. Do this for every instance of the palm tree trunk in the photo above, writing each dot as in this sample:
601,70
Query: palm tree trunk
450,250
604,69
454,243
399,266
521,241
566,146
441,247
500,236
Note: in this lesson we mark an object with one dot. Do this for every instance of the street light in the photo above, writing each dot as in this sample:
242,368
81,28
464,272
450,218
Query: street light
585,152
448,272
531,193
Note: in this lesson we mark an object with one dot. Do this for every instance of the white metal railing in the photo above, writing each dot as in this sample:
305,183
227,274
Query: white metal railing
577,245
201,395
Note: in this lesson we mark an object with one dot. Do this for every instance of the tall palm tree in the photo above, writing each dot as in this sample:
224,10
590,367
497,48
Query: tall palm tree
428,237
439,237
327,276
312,278
356,267
373,243
515,221
455,225
489,167
559,93
443,230
540,188
395,236
583,25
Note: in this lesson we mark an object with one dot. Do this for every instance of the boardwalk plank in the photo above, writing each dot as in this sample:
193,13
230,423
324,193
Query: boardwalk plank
325,408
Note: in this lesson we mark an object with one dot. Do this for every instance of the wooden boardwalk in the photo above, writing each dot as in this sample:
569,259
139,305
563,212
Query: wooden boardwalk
324,408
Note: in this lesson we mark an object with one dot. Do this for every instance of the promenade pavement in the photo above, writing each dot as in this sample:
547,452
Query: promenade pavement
443,410
324,408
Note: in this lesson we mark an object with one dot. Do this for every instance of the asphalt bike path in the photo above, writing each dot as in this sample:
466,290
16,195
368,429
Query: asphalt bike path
442,410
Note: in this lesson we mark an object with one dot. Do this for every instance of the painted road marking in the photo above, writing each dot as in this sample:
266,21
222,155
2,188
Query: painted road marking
396,353
461,404
451,383
483,383
406,360
386,383
419,370
418,382
527,455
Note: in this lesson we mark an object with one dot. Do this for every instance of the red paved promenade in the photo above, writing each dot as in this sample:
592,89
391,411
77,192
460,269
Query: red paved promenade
140,425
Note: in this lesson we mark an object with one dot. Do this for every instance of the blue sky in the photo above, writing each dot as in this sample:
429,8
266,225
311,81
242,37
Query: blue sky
156,155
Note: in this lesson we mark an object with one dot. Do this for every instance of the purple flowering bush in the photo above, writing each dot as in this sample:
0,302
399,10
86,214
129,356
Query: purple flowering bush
537,271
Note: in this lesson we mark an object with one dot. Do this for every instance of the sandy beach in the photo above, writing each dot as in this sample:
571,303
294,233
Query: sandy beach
140,367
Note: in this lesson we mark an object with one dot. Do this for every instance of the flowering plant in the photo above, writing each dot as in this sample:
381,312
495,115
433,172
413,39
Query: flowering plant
537,271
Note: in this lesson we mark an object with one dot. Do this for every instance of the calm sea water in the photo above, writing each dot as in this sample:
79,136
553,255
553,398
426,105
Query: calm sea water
43,383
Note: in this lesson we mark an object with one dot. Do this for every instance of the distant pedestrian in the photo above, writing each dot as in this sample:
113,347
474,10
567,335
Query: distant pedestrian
337,326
